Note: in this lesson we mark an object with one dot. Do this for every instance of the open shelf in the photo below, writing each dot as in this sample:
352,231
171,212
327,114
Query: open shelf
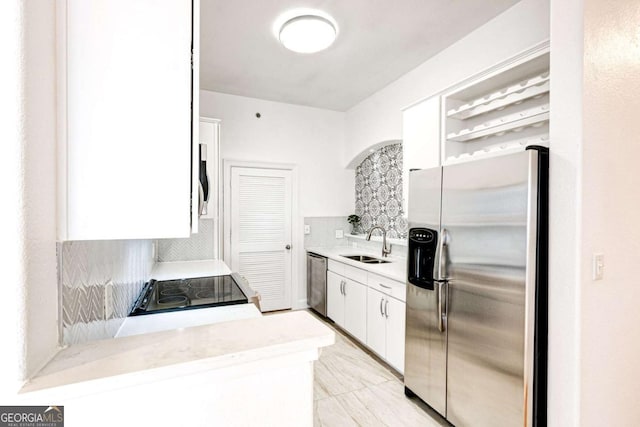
515,94
504,109
499,149
511,123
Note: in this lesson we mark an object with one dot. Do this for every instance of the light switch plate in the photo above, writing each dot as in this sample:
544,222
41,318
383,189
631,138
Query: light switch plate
598,266
339,234
307,229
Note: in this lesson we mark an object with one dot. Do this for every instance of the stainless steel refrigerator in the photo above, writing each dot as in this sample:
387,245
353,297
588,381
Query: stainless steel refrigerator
476,331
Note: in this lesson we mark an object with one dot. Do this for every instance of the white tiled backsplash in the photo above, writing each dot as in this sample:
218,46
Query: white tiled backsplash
397,250
197,247
86,269
323,231
323,234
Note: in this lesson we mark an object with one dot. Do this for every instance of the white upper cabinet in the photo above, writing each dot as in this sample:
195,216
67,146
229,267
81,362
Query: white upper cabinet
421,134
420,139
128,97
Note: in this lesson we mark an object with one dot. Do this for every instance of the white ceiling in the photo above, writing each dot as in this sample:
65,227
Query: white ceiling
379,41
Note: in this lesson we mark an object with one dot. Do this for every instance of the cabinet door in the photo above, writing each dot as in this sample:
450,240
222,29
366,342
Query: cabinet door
355,309
420,139
376,322
126,121
395,310
335,299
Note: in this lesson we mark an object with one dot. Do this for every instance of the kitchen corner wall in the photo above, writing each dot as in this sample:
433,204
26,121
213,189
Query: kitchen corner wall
87,269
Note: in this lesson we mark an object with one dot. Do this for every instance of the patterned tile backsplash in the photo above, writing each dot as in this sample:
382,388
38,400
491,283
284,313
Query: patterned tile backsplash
87,269
198,246
379,191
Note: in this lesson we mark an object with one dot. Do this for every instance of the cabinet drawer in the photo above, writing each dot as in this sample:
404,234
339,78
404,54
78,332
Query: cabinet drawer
336,267
387,286
355,274
348,271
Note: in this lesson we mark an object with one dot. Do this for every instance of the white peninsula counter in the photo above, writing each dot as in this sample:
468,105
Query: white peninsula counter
256,371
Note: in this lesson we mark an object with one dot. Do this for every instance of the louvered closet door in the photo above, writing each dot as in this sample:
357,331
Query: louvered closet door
261,232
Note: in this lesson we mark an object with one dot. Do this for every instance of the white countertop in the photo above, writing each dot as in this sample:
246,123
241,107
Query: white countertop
122,362
189,269
136,325
396,269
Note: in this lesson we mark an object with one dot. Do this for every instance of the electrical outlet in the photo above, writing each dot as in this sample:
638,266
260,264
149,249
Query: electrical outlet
598,266
339,234
307,229
108,300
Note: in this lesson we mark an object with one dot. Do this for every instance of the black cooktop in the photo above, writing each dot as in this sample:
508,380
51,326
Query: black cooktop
184,294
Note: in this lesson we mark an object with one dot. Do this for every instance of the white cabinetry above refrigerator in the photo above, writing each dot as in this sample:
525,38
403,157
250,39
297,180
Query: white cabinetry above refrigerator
128,96
420,139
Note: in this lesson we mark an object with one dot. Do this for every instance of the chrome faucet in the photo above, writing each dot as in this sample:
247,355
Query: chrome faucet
385,250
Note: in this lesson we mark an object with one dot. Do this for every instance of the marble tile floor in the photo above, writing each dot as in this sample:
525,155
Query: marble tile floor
354,388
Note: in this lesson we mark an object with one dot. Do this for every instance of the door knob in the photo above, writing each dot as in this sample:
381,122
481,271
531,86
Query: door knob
287,247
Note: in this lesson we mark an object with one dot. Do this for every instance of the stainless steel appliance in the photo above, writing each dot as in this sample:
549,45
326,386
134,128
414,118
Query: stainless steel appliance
183,294
317,283
476,331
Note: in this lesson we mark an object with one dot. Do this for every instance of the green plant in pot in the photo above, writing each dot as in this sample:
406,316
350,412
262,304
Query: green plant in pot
354,220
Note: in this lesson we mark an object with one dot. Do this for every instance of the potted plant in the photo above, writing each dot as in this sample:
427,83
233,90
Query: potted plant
354,220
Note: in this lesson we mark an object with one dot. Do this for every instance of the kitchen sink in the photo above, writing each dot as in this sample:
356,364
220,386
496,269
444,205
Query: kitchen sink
366,259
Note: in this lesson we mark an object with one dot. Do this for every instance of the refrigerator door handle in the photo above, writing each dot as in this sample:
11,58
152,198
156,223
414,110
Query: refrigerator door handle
442,255
441,306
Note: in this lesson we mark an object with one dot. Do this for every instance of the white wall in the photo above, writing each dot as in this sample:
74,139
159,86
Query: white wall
610,209
12,356
564,213
311,138
28,252
40,184
594,333
378,118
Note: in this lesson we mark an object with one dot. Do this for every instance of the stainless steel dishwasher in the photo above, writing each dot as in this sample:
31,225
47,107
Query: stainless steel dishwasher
317,283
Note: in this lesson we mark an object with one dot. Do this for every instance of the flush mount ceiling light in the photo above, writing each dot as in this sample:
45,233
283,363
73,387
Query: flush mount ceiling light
305,31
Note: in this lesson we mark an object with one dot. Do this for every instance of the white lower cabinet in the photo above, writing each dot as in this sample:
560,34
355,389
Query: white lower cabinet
386,327
347,304
376,323
373,313
395,333
355,309
335,299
